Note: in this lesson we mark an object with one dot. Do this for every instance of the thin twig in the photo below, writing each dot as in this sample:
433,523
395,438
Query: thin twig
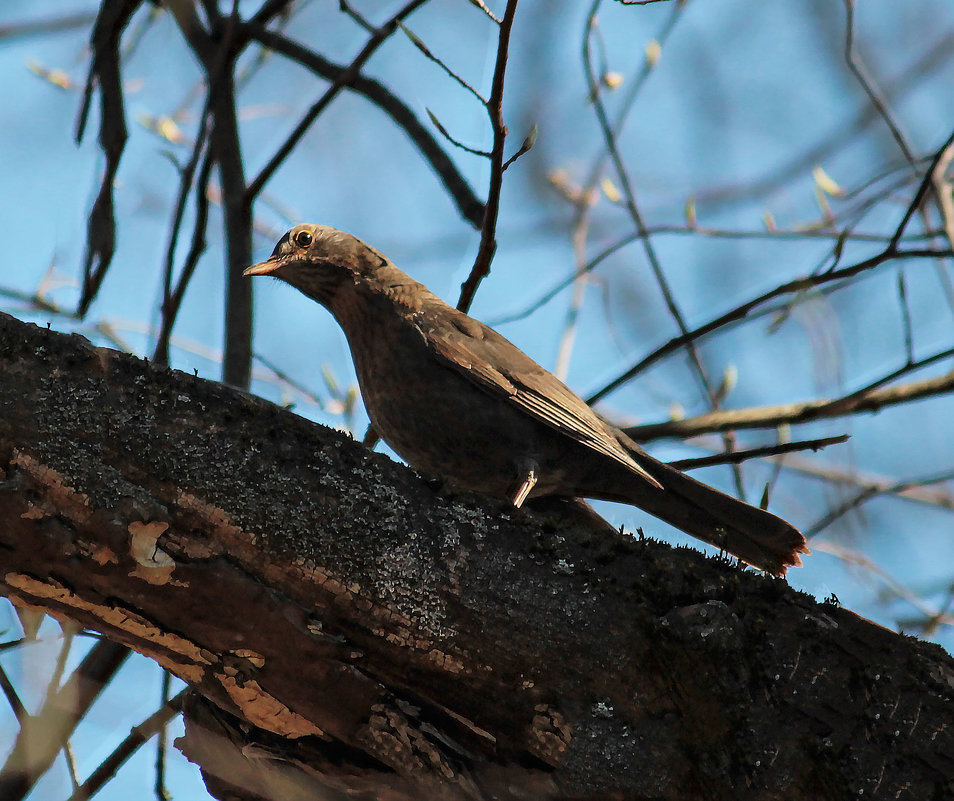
740,312
171,301
33,753
13,698
759,453
488,231
684,230
343,80
159,786
834,474
919,196
867,493
460,191
869,400
456,142
662,282
170,307
139,735
857,67
843,133
483,7
419,44
359,18
854,557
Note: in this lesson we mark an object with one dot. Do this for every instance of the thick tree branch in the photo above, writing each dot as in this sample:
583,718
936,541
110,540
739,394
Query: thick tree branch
414,645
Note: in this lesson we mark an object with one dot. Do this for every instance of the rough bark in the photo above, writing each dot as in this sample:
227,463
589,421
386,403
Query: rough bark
385,638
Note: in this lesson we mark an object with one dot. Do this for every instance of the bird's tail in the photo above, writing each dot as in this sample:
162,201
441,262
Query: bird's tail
752,534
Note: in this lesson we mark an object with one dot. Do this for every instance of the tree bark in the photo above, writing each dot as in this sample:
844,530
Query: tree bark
385,638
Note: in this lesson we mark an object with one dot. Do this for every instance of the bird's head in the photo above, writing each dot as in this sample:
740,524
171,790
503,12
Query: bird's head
318,260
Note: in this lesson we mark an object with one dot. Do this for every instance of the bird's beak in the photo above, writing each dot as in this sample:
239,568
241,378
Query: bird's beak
264,267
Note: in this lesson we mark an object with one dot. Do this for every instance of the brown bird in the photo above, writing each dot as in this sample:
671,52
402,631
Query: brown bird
457,400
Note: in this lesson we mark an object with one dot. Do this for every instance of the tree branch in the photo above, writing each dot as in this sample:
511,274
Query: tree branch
343,80
791,413
469,205
488,228
325,594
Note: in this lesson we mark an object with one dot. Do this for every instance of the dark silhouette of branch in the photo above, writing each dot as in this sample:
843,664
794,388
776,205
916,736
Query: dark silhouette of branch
172,299
662,282
740,312
217,50
759,453
469,205
43,735
494,106
13,697
138,737
343,80
105,74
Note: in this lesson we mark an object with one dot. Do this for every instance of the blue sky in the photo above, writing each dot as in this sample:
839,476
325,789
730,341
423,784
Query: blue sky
740,91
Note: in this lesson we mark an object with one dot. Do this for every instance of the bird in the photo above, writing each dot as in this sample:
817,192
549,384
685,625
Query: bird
458,401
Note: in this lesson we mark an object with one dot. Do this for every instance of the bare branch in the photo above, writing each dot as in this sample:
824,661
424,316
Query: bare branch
868,400
858,69
171,301
470,207
867,493
483,7
104,73
662,282
759,453
740,312
13,698
488,240
343,80
32,752
440,127
139,736
419,44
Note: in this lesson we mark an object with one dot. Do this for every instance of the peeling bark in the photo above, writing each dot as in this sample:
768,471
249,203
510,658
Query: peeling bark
387,639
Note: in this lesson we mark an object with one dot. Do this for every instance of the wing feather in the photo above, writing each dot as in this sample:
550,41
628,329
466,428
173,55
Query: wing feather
497,366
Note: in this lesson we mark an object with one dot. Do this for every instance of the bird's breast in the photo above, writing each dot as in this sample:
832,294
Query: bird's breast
437,419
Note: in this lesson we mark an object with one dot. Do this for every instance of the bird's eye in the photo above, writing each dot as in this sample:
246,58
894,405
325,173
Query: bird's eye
303,239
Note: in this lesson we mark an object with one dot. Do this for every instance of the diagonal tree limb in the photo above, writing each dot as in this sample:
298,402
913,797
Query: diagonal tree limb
871,400
343,80
327,595
469,205
44,735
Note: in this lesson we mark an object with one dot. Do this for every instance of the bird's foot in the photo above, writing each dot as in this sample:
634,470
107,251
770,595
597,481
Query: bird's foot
529,481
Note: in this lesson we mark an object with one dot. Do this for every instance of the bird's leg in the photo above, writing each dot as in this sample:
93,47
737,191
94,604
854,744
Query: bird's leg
529,476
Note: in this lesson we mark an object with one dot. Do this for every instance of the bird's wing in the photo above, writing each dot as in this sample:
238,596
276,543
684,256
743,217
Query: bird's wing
497,366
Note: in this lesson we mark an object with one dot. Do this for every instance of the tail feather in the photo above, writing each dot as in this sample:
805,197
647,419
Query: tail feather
754,535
